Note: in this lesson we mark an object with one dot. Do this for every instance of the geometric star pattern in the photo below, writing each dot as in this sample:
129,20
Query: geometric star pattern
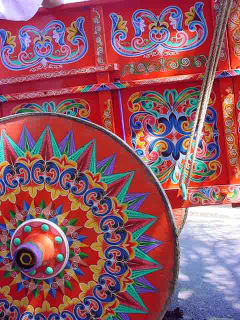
107,275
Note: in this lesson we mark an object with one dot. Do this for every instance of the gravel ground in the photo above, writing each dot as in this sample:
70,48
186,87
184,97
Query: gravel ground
209,279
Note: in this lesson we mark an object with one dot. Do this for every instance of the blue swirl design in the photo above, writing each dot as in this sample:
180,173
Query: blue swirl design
6,310
48,45
9,172
22,169
38,171
161,126
117,260
100,204
83,311
107,288
53,170
164,31
116,234
112,227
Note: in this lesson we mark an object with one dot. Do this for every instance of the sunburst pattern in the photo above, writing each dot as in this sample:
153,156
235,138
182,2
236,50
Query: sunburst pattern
110,247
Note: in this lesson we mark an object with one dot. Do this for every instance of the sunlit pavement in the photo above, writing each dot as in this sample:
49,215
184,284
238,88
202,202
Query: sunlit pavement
209,276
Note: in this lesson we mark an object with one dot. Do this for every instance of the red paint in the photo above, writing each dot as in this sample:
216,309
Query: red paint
103,65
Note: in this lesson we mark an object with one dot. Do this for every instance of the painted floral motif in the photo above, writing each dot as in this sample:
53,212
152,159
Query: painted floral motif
73,107
231,130
164,64
108,120
234,27
46,47
161,125
94,199
99,36
214,195
164,32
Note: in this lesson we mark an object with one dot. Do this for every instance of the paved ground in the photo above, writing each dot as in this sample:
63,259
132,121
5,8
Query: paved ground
209,278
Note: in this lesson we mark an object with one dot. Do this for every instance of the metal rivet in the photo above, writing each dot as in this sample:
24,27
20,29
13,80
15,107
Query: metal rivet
45,227
33,272
60,257
17,241
27,229
49,270
58,239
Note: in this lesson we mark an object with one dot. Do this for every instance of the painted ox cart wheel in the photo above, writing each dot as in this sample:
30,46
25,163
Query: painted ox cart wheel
86,231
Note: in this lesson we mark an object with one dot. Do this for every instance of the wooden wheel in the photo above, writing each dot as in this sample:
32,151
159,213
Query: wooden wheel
86,229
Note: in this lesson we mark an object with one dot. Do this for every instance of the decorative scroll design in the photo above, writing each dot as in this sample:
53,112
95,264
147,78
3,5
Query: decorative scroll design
164,32
44,48
76,182
161,125
165,64
108,115
64,91
99,37
73,107
231,131
234,27
56,74
214,195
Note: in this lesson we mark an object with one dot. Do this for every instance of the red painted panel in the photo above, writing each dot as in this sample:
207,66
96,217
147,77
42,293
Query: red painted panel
155,40
50,42
158,123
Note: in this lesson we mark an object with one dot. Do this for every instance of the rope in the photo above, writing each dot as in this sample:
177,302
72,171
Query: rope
204,97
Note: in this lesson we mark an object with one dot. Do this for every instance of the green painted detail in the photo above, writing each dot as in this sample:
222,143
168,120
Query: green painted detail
38,145
71,254
36,293
49,270
33,272
138,215
87,88
137,234
17,241
56,150
75,156
12,214
142,255
60,257
73,222
43,204
27,229
133,293
124,309
107,165
15,147
58,239
93,164
2,157
122,195
141,273
45,227
115,177
83,255
7,274
68,284
184,191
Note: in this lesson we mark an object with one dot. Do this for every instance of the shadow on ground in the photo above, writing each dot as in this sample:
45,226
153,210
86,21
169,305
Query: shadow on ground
209,278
